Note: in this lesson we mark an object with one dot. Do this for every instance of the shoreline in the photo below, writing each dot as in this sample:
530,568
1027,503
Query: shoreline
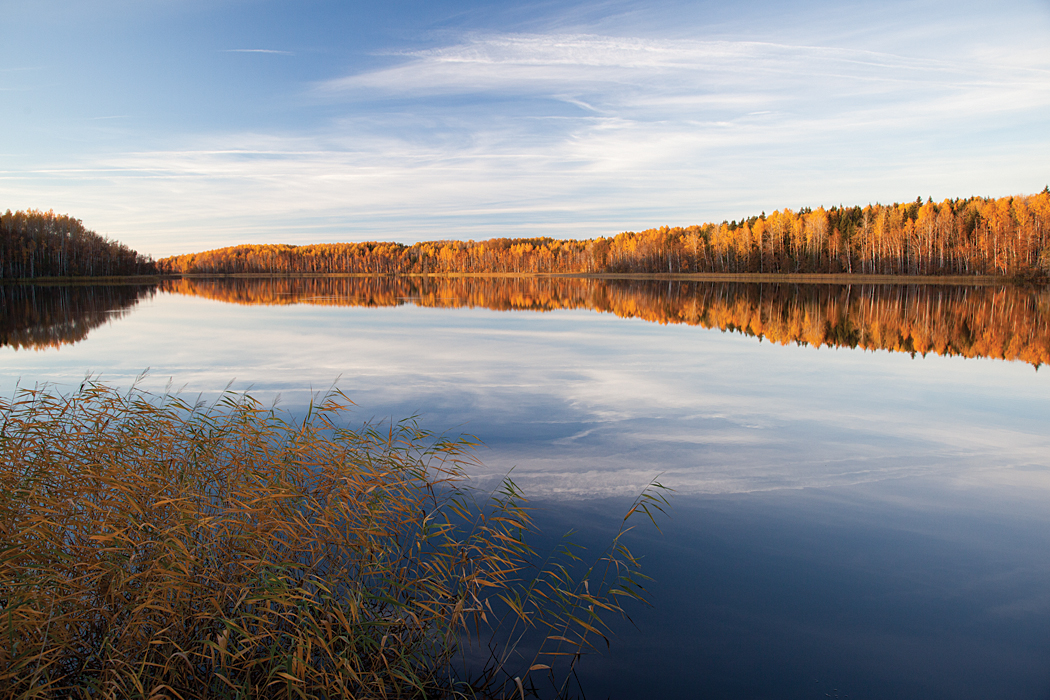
74,281
743,277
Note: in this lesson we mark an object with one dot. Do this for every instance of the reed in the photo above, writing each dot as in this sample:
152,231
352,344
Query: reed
155,548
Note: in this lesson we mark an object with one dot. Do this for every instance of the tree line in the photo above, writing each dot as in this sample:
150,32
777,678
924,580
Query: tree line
1005,322
36,243
972,236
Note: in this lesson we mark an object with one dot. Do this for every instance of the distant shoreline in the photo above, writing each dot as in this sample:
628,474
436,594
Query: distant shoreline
746,277
120,279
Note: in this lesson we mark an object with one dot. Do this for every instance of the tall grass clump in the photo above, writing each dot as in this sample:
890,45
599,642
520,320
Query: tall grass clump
155,548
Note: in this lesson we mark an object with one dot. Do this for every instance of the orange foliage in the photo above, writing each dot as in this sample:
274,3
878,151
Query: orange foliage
38,243
1010,235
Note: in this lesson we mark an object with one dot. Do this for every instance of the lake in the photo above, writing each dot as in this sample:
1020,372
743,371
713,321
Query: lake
861,473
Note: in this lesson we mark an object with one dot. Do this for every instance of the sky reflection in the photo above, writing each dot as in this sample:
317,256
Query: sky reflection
898,589
588,405
847,523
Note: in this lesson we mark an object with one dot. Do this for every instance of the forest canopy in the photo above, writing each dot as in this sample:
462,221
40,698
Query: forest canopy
972,236
36,243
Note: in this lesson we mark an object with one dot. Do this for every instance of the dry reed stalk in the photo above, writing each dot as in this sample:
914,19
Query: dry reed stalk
152,548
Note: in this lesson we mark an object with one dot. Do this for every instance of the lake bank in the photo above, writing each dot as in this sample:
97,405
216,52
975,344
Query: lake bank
745,277
807,278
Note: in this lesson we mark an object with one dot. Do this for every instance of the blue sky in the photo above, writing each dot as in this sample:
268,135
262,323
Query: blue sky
182,125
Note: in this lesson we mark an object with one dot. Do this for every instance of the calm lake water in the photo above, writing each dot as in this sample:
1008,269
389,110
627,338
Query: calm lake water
862,474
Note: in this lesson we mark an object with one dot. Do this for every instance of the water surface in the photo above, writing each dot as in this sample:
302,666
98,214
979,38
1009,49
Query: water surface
852,515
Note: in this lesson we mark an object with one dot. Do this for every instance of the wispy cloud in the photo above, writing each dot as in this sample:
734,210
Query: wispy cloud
274,51
582,135
640,79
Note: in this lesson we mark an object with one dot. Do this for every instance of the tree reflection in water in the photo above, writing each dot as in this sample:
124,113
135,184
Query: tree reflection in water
1002,321
38,317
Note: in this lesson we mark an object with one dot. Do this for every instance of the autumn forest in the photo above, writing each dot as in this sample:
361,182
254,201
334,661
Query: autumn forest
974,236
37,243
1009,236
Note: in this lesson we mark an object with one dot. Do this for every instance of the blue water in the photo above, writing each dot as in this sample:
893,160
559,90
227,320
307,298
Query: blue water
881,591
845,523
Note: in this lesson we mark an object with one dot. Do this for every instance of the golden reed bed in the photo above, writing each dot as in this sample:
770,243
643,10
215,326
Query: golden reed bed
152,548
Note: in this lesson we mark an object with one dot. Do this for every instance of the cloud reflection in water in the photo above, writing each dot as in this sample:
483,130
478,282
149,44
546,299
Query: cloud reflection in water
584,405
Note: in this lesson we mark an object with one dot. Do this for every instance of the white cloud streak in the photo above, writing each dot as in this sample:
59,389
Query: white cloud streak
274,51
691,81
582,135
